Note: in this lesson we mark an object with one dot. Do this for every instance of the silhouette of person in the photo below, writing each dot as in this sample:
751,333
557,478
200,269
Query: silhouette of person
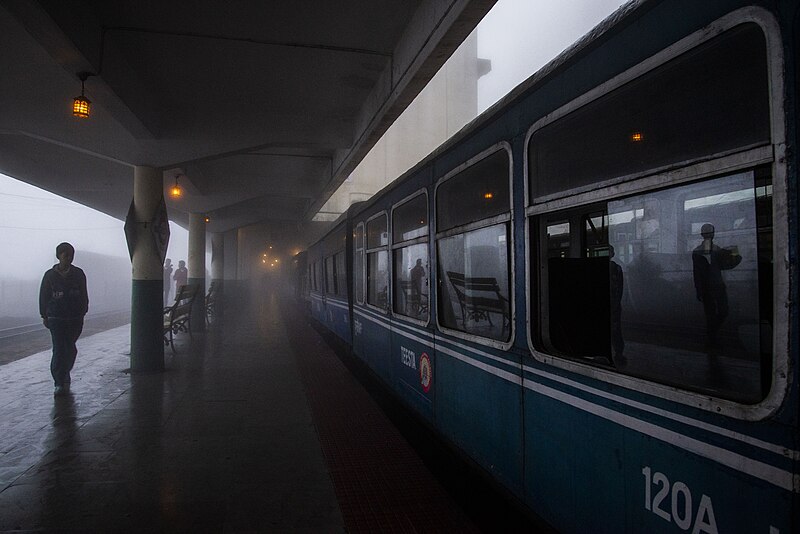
708,262
616,286
181,276
417,274
167,280
63,301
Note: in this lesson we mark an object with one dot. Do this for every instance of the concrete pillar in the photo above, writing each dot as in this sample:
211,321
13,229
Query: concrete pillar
218,271
147,294
197,268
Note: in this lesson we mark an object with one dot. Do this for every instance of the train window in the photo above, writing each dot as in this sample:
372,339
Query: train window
330,276
410,219
473,249
710,100
377,235
378,263
479,192
672,285
358,263
341,274
474,282
410,251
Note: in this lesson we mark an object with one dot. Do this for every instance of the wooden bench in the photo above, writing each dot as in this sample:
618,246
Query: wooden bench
178,317
479,298
415,305
211,301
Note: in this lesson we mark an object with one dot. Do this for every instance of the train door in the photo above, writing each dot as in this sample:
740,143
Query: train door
412,334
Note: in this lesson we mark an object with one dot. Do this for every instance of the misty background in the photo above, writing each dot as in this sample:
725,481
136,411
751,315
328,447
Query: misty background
517,36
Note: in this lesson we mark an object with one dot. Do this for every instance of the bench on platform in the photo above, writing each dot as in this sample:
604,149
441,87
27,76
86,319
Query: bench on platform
178,317
479,298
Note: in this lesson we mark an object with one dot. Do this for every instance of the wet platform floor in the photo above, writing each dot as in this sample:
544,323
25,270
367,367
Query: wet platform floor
254,427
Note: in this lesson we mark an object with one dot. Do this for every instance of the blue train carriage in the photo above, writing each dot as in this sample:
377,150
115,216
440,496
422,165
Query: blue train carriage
331,259
660,387
391,279
611,326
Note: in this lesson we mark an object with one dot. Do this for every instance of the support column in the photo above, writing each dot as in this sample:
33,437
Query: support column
197,268
218,272
147,294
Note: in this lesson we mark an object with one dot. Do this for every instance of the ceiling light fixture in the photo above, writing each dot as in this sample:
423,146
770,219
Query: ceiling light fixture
81,104
176,190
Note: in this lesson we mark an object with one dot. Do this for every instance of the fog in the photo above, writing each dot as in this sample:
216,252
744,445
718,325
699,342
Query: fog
519,37
34,221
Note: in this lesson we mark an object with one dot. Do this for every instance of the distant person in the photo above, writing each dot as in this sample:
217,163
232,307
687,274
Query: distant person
167,281
63,301
708,262
616,286
181,276
417,274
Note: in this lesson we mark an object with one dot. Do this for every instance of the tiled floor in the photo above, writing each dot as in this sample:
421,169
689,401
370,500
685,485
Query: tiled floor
255,427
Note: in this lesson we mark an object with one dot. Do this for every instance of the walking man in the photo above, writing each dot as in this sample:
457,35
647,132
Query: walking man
63,301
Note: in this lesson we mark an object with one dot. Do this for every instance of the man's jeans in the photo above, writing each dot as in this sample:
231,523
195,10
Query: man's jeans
65,333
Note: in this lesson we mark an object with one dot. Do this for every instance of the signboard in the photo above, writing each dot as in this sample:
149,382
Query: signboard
159,230
130,230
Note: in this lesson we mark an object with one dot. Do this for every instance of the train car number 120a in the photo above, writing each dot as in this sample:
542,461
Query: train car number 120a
673,502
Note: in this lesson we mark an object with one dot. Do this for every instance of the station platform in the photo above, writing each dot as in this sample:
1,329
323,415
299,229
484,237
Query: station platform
257,425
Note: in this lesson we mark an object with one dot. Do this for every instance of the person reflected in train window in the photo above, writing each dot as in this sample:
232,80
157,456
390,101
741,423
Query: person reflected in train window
616,286
417,275
708,262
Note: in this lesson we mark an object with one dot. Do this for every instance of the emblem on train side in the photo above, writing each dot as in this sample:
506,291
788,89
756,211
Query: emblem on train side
425,372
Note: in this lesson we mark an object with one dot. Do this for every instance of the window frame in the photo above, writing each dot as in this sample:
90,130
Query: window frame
407,243
367,251
682,172
360,250
476,225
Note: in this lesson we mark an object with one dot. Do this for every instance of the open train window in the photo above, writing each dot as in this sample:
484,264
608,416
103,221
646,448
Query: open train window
473,216
410,253
358,262
378,262
672,285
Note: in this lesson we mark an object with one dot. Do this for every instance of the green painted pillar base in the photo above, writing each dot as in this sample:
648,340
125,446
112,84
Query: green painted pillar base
147,323
199,306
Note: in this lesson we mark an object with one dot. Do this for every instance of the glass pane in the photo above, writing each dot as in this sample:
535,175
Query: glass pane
681,291
329,275
378,278
341,275
410,220
478,192
475,282
710,100
358,263
411,281
377,235
595,235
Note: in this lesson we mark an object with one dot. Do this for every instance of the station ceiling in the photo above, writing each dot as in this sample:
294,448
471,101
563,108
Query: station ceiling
261,108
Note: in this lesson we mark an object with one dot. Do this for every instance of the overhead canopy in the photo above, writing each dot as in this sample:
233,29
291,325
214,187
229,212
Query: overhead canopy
262,108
